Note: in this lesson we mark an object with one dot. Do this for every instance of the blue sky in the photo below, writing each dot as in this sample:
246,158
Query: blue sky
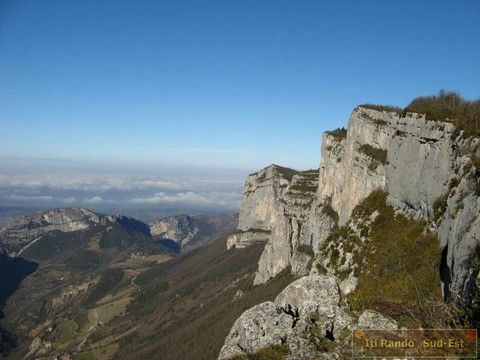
227,85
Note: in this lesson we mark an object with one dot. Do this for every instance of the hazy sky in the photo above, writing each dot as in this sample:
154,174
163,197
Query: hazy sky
227,85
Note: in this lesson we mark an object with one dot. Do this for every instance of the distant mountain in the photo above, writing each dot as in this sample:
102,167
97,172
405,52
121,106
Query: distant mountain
75,256
9,213
187,231
74,271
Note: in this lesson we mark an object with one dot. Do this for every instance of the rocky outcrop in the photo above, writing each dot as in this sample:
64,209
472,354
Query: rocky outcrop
67,296
307,306
307,317
277,204
180,228
21,232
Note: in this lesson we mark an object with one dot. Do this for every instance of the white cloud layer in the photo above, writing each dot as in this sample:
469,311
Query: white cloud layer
123,191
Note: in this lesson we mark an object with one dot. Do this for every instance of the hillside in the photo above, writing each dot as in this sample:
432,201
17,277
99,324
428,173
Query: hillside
72,273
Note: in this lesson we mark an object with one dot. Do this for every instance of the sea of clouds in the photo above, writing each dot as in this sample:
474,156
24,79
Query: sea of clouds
111,189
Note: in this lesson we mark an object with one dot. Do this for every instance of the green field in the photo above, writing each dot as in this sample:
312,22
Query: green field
65,330
84,356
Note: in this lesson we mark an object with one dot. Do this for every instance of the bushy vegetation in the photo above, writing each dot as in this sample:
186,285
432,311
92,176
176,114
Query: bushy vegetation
402,264
287,172
329,211
109,279
451,106
338,133
306,182
317,338
378,156
375,201
439,206
306,249
445,106
475,161
273,352
388,108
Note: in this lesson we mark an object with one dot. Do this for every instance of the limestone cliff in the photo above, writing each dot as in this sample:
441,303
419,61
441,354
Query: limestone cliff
19,234
459,226
180,228
261,193
423,169
407,155
301,224
413,159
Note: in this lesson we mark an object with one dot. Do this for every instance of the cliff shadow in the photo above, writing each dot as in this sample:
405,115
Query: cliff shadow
12,272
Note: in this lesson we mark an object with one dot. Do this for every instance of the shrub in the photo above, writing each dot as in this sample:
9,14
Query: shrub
338,133
329,211
273,352
375,201
322,344
378,155
439,206
454,183
402,260
306,249
388,108
449,106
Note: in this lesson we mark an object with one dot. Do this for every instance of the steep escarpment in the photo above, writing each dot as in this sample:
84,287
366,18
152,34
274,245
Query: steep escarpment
301,224
280,208
189,231
397,193
413,159
180,228
257,211
22,232
408,156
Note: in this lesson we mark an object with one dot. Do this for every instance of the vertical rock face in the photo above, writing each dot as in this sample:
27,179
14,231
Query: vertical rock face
408,156
411,158
426,172
348,174
180,228
459,229
261,194
420,163
300,227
